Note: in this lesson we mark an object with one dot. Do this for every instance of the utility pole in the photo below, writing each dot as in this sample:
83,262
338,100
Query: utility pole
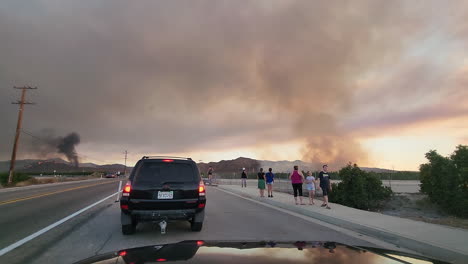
393,171
125,166
21,104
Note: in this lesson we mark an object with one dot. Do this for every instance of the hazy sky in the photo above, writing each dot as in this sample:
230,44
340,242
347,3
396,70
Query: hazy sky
374,82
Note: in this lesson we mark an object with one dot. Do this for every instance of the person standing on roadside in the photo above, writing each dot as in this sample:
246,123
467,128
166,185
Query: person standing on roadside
270,178
310,186
210,174
325,185
261,182
244,178
296,180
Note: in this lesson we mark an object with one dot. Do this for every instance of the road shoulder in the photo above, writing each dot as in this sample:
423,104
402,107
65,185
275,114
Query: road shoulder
440,242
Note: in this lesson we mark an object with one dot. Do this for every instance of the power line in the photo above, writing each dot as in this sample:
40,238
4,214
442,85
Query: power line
21,104
33,136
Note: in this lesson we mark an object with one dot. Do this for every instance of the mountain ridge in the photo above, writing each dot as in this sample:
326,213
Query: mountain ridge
222,166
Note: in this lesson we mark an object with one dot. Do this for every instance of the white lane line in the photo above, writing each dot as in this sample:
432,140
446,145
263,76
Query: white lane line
42,231
341,230
118,192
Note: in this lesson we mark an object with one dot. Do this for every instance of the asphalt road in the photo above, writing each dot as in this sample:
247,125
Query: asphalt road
98,230
25,211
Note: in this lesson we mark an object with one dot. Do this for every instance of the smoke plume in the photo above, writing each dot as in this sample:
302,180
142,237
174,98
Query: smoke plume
47,145
194,76
67,145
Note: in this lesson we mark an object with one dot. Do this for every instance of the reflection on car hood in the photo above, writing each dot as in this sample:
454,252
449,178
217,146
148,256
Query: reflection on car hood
255,252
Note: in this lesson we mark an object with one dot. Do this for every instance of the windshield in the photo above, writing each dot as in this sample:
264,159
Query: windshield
127,124
160,173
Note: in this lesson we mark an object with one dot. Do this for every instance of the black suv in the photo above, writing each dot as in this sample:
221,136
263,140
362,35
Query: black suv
161,189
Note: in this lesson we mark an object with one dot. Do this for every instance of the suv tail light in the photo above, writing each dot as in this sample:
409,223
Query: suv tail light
201,189
127,188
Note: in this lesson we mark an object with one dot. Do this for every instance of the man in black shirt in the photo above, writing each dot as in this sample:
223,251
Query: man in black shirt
325,185
244,178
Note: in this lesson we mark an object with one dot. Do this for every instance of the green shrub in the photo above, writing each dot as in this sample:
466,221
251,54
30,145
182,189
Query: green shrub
17,177
445,180
359,189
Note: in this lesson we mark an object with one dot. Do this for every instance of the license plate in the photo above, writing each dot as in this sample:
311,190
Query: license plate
166,195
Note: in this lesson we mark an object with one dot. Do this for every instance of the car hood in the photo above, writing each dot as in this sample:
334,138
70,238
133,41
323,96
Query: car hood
235,252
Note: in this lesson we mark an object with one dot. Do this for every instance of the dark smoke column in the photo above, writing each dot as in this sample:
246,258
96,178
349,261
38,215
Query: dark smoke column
67,146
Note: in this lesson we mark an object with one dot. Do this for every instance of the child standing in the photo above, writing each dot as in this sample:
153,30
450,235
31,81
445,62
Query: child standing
310,186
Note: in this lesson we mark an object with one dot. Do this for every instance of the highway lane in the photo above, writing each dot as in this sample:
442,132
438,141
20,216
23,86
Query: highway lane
227,218
25,211
7,194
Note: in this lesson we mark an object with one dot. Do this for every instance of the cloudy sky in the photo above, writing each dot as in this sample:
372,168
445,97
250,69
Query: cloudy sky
374,82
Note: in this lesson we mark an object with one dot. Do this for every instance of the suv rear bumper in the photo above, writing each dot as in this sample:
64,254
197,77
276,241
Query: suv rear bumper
149,215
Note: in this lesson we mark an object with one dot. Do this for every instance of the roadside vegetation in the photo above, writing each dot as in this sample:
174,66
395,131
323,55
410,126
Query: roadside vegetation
445,180
17,177
23,179
359,189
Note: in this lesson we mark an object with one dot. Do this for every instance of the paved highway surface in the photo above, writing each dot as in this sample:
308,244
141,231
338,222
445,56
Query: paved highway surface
97,230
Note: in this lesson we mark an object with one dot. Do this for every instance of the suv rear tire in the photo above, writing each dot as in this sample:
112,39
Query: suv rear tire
128,229
196,226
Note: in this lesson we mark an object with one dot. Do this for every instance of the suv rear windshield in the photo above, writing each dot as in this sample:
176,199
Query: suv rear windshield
158,173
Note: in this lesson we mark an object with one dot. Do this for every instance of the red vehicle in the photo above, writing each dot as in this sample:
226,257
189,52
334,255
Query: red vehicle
111,175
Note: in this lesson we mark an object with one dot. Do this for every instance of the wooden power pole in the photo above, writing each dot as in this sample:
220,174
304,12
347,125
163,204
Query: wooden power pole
125,166
21,104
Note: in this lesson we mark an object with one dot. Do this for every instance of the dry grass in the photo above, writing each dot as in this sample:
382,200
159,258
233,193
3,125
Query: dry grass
418,207
36,181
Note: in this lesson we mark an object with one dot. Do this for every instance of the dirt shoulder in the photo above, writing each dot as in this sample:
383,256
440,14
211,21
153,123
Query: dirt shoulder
46,180
417,207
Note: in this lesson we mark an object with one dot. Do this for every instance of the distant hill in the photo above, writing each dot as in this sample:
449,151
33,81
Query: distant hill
235,165
223,166
59,165
252,165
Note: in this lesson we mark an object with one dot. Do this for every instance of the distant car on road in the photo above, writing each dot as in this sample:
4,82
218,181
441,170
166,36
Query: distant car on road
162,189
111,175
206,181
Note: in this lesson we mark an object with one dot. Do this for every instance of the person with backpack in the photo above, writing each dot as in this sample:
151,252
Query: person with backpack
270,178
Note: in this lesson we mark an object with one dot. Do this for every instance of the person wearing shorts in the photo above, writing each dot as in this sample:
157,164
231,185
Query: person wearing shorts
270,179
325,185
261,182
310,186
244,178
296,180
210,174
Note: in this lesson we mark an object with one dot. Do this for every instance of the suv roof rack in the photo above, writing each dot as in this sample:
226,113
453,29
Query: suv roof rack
165,157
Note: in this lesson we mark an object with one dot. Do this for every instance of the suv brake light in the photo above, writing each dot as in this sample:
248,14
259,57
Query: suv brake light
167,160
201,189
127,188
